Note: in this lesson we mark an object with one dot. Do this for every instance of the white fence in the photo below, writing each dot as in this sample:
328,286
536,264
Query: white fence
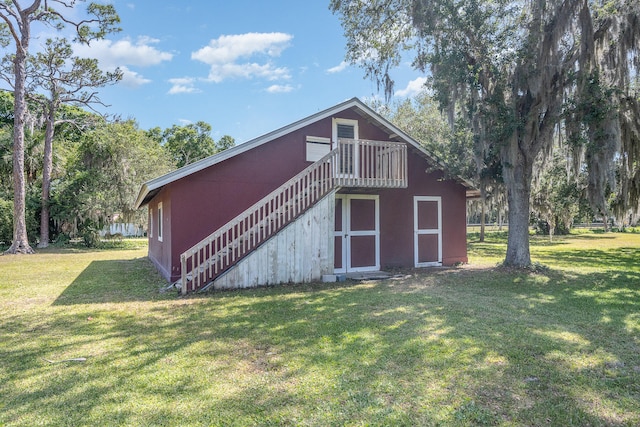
125,230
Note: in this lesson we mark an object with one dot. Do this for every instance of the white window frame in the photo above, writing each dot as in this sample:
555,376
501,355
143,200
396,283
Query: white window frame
338,121
160,222
151,223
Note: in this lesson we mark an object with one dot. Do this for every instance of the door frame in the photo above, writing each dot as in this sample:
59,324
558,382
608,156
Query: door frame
426,231
346,232
355,155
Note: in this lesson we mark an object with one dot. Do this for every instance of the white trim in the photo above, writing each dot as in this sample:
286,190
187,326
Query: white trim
338,121
319,139
160,222
418,232
346,233
151,223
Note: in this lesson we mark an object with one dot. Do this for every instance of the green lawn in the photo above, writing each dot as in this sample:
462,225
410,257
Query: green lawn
474,345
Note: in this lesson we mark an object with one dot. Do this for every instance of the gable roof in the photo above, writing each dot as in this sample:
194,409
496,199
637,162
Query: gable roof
150,188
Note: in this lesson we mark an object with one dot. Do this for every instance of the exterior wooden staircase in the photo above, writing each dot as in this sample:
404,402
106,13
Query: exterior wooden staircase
352,163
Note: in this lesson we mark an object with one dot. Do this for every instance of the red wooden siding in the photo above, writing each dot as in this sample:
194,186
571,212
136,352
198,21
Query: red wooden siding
160,252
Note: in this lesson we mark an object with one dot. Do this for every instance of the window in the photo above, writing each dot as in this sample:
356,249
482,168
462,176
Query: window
317,147
160,221
344,128
345,131
150,222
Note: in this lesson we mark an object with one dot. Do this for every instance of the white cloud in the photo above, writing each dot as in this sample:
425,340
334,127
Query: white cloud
131,78
280,88
413,88
182,85
338,68
123,54
111,54
224,55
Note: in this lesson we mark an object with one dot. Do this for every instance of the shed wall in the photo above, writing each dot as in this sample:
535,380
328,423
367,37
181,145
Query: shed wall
199,204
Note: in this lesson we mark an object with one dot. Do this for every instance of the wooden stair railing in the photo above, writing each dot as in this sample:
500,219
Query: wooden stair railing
223,248
353,163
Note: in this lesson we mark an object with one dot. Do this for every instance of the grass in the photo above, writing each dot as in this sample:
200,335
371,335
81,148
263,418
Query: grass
475,345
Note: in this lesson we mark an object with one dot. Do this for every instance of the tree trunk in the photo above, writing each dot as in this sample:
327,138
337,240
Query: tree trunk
46,179
20,240
517,179
483,210
518,254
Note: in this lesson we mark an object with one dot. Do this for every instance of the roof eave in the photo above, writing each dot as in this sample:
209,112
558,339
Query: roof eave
158,183
148,189
140,200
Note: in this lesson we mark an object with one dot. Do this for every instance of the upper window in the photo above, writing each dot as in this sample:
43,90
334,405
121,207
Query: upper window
346,131
344,128
160,221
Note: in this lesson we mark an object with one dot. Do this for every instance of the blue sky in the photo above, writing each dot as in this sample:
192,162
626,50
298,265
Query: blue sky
246,67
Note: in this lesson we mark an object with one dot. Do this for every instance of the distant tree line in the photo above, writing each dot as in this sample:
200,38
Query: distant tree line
97,168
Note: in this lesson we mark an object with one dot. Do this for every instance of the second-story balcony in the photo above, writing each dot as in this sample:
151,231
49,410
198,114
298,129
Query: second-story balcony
372,164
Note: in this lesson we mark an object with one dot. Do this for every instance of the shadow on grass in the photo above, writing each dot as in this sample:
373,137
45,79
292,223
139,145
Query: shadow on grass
112,281
625,258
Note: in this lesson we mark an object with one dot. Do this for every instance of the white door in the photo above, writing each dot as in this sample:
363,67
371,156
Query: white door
427,225
357,233
347,165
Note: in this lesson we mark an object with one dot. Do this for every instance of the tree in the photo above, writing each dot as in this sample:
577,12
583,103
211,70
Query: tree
423,120
225,143
511,65
450,139
65,80
101,19
103,176
190,143
556,194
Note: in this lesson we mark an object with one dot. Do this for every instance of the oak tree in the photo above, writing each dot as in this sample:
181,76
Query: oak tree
512,66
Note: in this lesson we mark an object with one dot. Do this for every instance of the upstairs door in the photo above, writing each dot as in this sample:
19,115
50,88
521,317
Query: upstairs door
427,224
348,161
357,233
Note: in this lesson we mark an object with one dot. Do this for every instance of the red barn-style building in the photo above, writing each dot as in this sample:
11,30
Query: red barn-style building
340,191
